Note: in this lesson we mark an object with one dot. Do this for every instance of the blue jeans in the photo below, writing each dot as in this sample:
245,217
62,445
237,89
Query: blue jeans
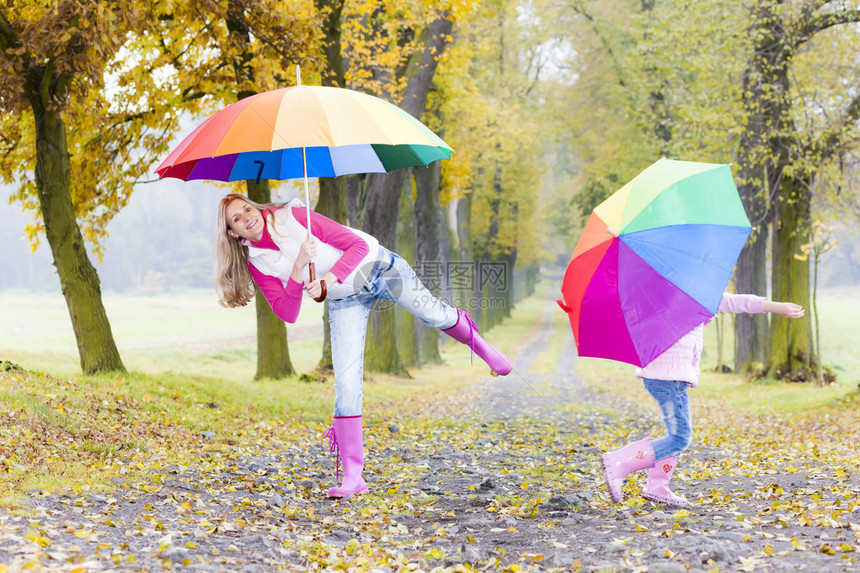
391,279
671,396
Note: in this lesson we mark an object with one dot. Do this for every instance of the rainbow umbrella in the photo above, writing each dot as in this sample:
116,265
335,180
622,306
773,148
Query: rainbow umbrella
338,131
654,260
303,131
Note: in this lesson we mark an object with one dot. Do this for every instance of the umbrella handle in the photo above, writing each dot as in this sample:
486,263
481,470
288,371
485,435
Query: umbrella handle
313,275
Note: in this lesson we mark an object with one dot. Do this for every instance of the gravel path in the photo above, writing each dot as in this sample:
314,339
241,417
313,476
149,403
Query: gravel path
507,476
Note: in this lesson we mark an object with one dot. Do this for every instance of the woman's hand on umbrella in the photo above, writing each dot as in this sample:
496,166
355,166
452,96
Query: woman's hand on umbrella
307,252
314,289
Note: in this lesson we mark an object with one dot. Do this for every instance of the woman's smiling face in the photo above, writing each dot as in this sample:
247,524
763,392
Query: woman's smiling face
244,220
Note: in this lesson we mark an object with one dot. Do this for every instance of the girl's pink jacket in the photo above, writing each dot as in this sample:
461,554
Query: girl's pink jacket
681,361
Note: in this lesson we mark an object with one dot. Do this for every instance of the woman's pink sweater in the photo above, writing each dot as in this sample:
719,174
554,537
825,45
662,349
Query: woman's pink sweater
286,300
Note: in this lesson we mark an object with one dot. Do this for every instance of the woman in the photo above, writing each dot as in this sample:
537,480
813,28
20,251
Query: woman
268,246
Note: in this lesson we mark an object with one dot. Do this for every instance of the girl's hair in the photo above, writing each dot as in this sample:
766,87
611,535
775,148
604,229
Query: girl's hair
232,278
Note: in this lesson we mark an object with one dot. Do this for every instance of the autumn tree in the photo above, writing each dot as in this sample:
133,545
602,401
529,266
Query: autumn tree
332,195
55,115
496,109
395,57
242,47
784,145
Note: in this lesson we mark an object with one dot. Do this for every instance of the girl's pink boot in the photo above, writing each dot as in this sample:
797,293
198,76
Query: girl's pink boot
619,464
657,486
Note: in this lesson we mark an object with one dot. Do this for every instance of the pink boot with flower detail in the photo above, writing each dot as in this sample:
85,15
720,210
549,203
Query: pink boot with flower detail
657,486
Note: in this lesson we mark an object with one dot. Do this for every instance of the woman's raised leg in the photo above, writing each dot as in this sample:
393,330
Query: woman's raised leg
401,285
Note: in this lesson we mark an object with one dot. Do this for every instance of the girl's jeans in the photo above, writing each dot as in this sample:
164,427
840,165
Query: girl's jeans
671,396
390,279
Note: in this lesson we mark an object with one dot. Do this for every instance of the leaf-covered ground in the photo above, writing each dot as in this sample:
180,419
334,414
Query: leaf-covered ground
500,475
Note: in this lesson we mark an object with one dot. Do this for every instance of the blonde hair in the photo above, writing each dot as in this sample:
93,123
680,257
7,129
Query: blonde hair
232,278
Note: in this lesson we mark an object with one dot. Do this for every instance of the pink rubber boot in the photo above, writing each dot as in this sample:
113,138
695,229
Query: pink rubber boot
657,486
466,332
346,439
619,464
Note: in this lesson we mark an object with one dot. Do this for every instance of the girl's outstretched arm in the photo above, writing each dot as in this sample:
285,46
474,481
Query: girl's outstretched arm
786,309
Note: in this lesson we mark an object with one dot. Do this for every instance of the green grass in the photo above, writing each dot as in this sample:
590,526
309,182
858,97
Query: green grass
191,365
185,332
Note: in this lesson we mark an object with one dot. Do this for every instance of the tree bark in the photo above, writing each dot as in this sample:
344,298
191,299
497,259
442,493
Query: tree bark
430,263
764,85
494,271
273,353
405,338
380,348
333,204
790,349
333,196
78,278
383,204
465,254
751,330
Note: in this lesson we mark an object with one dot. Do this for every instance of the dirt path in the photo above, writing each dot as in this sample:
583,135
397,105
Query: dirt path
504,475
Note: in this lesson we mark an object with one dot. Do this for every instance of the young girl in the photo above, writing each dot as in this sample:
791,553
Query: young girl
267,246
667,378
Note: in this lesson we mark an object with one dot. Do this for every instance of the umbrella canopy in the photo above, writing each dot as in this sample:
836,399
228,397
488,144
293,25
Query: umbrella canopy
303,131
342,132
654,260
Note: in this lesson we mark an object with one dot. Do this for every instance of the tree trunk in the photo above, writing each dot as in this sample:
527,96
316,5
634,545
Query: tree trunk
430,263
816,342
383,203
761,107
404,321
381,221
273,352
505,289
332,204
78,278
492,271
760,171
465,257
380,348
333,197
719,325
331,11
789,338
751,330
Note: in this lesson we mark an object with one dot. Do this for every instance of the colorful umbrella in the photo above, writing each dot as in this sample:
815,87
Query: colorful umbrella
303,131
654,260
342,131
